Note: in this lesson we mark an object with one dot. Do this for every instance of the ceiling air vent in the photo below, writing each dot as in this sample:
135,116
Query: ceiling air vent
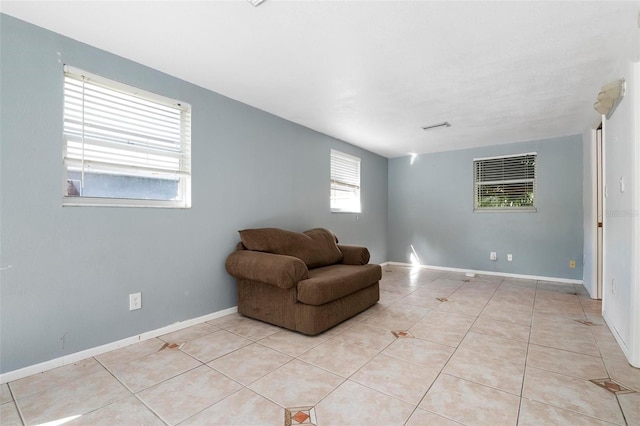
435,126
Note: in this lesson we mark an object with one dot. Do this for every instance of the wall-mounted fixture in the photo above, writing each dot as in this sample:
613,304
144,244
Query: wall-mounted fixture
256,3
609,97
435,126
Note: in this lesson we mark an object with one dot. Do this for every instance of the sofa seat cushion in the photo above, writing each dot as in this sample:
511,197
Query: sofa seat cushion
332,282
315,247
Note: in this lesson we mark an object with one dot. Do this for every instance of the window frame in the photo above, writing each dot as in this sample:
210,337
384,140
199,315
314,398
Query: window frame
182,172
506,209
333,182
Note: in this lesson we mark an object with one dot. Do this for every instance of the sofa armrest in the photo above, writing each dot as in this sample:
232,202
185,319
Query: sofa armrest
354,255
275,269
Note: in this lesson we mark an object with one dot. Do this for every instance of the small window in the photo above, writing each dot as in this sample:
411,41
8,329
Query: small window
124,146
505,183
345,182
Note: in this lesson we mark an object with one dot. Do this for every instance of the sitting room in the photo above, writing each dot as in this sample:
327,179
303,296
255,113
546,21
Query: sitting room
267,212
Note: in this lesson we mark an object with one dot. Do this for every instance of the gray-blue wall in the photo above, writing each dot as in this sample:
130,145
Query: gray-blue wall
431,209
74,267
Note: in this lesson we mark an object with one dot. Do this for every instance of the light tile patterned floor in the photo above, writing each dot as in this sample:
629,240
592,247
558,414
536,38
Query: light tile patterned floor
491,351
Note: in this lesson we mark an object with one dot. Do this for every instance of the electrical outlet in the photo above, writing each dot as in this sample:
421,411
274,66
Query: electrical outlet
135,301
572,264
509,257
493,256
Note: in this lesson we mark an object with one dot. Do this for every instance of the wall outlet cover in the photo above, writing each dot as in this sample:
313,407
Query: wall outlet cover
135,301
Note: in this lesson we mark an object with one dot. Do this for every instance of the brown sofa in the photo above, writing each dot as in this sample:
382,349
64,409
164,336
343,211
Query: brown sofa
302,281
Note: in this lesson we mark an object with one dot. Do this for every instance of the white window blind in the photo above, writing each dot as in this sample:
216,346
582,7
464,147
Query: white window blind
345,182
505,183
124,143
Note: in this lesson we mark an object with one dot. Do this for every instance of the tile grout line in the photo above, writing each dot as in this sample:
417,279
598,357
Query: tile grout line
15,402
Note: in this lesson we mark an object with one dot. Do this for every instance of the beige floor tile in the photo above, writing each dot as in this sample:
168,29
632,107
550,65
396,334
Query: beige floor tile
496,347
482,368
504,329
53,378
421,352
556,287
611,350
249,363
421,297
534,413
459,305
296,384
564,362
397,317
368,336
388,297
189,333
5,394
226,319
519,282
470,403
338,357
353,404
9,415
547,321
566,340
243,408
445,328
252,329
395,377
72,398
131,352
292,343
189,393
214,345
630,404
152,369
422,417
571,394
622,372
126,411
514,315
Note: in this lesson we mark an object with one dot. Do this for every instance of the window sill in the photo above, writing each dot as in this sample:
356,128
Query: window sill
122,202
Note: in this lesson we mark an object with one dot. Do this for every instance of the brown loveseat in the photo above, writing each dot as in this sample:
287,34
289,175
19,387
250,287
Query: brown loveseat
302,281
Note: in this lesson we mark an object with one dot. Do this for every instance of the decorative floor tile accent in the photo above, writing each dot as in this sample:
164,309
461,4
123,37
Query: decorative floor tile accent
401,334
300,416
585,322
612,386
442,299
170,346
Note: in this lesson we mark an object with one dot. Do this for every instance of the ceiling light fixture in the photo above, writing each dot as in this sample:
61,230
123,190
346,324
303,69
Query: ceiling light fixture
435,126
256,3
609,97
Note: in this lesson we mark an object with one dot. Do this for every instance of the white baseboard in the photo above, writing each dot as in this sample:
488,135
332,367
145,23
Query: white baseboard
499,274
87,353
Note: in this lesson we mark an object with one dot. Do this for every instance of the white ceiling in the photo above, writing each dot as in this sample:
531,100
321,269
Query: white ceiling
373,73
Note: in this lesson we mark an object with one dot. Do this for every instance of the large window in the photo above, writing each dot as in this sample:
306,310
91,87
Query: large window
345,182
505,183
124,146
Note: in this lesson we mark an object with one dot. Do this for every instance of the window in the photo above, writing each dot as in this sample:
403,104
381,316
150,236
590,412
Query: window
124,146
345,182
505,183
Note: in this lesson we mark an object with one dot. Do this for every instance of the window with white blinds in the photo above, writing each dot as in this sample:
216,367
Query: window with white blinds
505,183
124,146
345,182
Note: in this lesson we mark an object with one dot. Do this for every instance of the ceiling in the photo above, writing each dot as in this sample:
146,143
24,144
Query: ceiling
373,73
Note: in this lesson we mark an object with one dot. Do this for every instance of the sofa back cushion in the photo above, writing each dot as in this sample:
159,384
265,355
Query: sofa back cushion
315,247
